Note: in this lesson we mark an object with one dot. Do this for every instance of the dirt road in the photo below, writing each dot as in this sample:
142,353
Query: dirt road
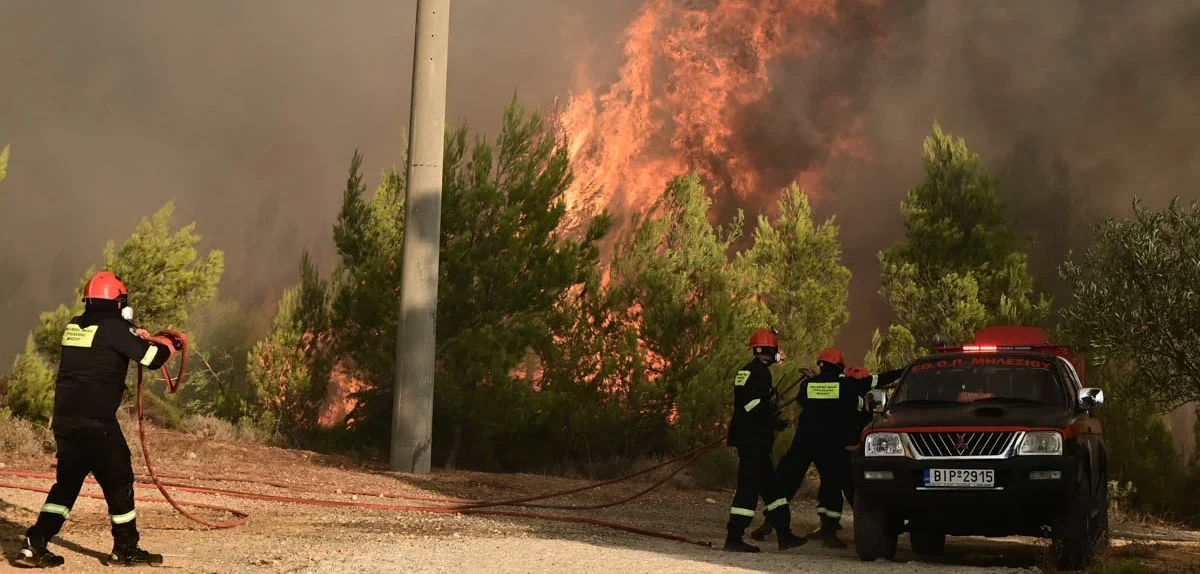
284,537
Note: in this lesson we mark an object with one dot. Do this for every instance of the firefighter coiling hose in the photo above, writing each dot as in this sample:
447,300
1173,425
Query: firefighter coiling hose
86,446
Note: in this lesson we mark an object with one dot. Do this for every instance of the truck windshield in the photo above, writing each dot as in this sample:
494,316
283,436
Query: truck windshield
987,378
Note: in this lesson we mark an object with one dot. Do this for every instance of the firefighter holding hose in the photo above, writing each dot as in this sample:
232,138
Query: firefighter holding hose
752,431
833,406
96,349
865,414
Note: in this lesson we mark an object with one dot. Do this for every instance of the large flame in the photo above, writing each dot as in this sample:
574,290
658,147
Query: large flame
696,78
698,92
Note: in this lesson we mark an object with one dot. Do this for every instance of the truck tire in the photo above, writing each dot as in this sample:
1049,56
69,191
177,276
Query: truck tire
1071,530
873,536
1102,536
927,543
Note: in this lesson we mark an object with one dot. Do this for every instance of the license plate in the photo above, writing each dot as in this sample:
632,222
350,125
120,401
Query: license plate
960,477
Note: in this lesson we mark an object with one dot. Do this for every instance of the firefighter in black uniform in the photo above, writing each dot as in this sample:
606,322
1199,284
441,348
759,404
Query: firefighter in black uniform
865,414
96,349
832,404
752,431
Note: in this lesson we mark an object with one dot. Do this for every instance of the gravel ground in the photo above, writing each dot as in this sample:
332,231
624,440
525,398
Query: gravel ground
599,557
286,537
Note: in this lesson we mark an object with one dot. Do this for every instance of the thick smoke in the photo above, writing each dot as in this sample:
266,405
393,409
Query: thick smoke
247,113
1077,105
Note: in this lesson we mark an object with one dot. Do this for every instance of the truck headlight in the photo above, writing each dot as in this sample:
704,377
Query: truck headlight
883,444
1041,442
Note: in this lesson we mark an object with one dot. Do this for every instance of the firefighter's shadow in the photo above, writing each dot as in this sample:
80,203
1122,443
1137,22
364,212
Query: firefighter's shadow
12,535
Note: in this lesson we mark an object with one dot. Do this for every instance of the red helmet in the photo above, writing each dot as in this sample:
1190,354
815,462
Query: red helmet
832,356
764,338
105,285
858,372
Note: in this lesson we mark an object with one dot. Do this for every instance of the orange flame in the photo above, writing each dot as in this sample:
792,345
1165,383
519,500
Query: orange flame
692,75
338,400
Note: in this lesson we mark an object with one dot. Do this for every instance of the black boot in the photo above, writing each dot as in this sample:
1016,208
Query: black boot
829,528
734,543
780,520
34,554
819,532
788,540
762,531
133,557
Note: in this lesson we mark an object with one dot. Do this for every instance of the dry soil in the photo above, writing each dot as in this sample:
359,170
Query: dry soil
284,537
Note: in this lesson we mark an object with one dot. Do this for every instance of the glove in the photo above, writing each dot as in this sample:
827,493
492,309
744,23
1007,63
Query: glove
142,333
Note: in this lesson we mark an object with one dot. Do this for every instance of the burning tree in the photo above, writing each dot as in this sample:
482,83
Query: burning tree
687,306
629,361
696,94
290,367
678,309
504,268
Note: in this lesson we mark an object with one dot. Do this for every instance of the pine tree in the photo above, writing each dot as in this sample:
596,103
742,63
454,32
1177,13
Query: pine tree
290,367
165,278
503,271
798,274
688,311
959,267
31,386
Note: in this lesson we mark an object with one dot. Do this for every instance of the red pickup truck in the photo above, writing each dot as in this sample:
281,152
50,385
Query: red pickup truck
991,438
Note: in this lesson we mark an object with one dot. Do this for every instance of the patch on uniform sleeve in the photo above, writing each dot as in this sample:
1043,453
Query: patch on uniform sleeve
76,336
824,390
741,378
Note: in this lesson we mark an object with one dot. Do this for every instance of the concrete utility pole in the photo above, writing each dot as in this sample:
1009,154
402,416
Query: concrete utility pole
412,413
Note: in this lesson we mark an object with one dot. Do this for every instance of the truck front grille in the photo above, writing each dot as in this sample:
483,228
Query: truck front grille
961,444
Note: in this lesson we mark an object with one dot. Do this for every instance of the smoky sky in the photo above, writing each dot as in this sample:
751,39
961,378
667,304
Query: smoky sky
247,113
1076,105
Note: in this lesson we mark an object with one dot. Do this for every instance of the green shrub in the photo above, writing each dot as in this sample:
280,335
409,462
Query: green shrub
21,438
31,386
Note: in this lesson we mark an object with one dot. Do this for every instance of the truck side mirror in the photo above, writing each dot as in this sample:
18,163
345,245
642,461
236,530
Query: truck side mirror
879,398
1091,398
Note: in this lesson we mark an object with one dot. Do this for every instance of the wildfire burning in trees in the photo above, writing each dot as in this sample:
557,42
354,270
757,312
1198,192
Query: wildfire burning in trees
695,94
699,91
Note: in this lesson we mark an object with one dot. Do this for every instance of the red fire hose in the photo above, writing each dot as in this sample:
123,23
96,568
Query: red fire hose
181,345
461,507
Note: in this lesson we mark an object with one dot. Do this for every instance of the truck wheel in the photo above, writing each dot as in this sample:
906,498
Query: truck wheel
1071,530
1102,536
927,543
873,537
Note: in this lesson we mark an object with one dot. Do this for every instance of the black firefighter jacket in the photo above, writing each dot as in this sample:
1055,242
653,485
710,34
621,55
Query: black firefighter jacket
754,420
96,349
832,406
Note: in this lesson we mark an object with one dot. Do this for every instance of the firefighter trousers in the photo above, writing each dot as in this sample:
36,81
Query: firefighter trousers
757,479
833,465
847,476
96,447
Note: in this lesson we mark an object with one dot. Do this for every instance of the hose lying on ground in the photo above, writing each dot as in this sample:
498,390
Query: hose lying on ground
461,506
